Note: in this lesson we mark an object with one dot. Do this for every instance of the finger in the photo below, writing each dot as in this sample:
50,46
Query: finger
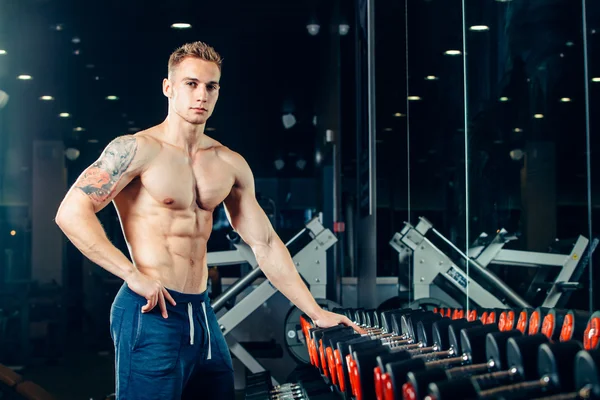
169,297
162,305
147,307
346,321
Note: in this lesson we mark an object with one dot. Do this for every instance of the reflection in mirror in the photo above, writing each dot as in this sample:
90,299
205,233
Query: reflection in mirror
527,170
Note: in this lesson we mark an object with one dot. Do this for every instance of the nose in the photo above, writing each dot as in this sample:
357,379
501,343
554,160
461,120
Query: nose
202,93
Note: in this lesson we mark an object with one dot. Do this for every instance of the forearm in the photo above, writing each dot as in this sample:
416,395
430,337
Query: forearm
84,230
275,261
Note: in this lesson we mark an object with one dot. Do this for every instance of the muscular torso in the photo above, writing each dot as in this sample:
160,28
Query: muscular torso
166,214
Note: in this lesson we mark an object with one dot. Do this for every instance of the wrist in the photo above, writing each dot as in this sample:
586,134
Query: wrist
316,313
130,274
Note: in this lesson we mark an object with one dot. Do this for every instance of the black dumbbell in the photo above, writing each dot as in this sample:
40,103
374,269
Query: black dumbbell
518,350
365,373
556,362
484,351
587,378
447,337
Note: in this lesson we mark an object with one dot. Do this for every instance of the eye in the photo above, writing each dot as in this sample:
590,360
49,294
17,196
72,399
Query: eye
192,84
213,87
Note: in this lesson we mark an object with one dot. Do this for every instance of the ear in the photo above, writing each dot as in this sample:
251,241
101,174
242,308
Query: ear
167,88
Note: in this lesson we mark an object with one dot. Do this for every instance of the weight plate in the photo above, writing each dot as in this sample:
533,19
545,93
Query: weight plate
294,338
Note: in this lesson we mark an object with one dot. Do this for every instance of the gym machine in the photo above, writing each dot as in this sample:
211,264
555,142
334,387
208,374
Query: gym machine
310,261
434,275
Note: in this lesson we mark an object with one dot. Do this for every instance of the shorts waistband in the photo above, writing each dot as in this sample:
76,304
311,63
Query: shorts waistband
182,299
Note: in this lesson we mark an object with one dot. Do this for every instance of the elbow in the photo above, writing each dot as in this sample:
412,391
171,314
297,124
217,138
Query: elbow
68,213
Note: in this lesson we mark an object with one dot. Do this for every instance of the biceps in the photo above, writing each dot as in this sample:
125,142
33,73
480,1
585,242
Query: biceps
103,180
250,221
99,185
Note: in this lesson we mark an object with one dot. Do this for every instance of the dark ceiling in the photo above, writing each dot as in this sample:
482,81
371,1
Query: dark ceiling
272,65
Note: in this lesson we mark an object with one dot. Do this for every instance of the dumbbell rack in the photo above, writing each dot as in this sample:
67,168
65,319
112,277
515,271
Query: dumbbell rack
450,353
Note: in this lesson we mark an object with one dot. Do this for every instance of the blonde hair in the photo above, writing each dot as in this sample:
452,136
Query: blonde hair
199,50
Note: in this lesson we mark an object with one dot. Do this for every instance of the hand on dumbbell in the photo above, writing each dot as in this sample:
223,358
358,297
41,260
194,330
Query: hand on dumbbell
327,319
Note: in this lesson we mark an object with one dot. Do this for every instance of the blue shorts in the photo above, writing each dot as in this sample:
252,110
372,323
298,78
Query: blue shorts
182,357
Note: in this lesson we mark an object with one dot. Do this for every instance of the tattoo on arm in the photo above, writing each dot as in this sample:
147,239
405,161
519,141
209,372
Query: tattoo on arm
101,178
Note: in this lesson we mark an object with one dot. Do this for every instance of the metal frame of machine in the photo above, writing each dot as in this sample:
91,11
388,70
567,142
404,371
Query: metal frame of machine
311,262
429,262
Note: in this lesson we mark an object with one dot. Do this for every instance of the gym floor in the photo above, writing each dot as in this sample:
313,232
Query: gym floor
82,374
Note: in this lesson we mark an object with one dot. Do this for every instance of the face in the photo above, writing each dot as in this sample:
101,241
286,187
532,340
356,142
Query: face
193,90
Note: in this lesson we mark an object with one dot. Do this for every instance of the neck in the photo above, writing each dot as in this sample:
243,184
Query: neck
183,134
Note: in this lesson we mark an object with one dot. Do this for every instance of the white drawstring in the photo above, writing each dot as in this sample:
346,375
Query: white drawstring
207,329
191,318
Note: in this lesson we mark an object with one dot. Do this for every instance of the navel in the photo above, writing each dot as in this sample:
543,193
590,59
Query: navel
168,201
191,262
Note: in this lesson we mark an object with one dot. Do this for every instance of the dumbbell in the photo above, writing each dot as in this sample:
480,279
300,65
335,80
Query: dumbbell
506,321
536,319
390,374
574,325
329,357
553,322
555,364
258,386
518,350
361,366
523,320
484,350
587,378
591,335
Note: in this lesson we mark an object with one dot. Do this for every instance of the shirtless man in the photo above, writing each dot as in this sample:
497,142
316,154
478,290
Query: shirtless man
165,183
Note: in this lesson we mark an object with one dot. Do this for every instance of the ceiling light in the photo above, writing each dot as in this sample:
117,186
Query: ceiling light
301,164
503,1
72,153
431,78
181,25
133,129
64,115
25,77
2,52
313,29
288,120
569,44
538,116
58,27
92,140
516,154
517,130
79,129
565,100
388,129
452,52
47,98
504,99
399,115
279,164
480,28
210,129
414,98
596,79
76,40
112,98
343,29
